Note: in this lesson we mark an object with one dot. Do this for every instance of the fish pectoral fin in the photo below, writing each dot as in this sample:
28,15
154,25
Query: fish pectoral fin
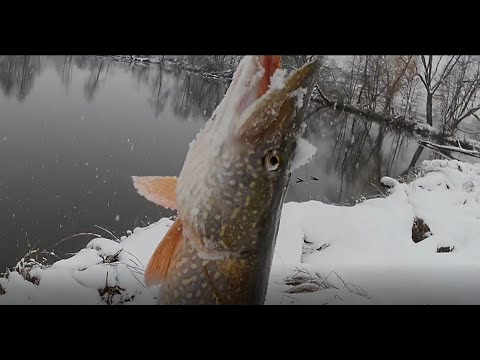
157,268
161,190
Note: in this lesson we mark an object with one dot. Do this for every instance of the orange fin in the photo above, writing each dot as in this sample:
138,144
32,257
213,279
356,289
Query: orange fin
161,190
270,64
157,268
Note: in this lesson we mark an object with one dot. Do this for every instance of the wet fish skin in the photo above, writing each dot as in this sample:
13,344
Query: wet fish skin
232,230
251,200
230,192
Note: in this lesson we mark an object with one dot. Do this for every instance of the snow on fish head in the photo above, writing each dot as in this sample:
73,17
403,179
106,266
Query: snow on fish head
263,105
234,179
230,191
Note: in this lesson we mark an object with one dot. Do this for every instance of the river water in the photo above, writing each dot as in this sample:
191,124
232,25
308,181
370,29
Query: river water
74,129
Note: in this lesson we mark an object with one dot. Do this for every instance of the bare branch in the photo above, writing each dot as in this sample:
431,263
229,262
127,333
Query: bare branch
446,71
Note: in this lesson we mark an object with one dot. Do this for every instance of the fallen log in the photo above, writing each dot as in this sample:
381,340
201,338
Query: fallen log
459,149
398,121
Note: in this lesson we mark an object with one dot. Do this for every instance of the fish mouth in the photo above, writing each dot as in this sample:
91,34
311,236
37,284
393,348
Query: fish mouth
272,104
263,98
251,80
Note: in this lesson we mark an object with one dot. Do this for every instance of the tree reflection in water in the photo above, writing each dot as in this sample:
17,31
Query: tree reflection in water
353,155
353,152
18,74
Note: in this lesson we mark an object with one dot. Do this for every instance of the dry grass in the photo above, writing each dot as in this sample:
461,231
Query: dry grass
36,258
304,282
110,259
113,295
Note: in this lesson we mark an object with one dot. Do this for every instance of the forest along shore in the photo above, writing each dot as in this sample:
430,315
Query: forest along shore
434,97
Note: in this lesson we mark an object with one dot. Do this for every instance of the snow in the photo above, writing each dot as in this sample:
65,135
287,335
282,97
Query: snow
451,148
474,143
299,94
278,79
77,280
303,153
424,127
371,243
362,254
388,181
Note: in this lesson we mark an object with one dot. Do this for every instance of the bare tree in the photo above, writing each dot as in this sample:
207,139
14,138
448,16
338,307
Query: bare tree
365,80
381,79
372,81
396,67
459,92
432,77
409,92
351,77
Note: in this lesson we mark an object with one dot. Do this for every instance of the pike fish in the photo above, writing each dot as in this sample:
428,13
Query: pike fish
230,191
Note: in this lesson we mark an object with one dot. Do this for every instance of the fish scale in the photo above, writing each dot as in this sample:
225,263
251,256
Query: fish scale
230,191
196,281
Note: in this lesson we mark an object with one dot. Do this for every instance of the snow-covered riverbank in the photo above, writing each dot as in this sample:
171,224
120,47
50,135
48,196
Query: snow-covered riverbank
325,254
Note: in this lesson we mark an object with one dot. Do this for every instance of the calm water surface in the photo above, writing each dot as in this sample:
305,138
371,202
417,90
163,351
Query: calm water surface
73,130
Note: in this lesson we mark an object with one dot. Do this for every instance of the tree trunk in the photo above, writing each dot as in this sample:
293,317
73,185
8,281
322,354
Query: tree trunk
388,103
364,83
429,109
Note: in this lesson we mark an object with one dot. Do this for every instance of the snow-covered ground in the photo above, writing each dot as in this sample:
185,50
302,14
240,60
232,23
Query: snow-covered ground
325,254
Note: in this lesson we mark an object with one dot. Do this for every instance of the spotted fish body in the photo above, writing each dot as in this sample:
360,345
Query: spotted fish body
239,225
231,190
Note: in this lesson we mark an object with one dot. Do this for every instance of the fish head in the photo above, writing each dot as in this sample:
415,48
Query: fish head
232,185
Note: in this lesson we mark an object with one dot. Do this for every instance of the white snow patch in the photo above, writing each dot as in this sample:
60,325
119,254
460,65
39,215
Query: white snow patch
303,153
278,79
299,94
424,127
388,181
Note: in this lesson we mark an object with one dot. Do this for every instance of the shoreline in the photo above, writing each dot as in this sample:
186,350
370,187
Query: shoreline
421,129
429,222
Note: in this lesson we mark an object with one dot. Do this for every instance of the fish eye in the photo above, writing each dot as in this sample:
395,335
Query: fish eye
273,160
